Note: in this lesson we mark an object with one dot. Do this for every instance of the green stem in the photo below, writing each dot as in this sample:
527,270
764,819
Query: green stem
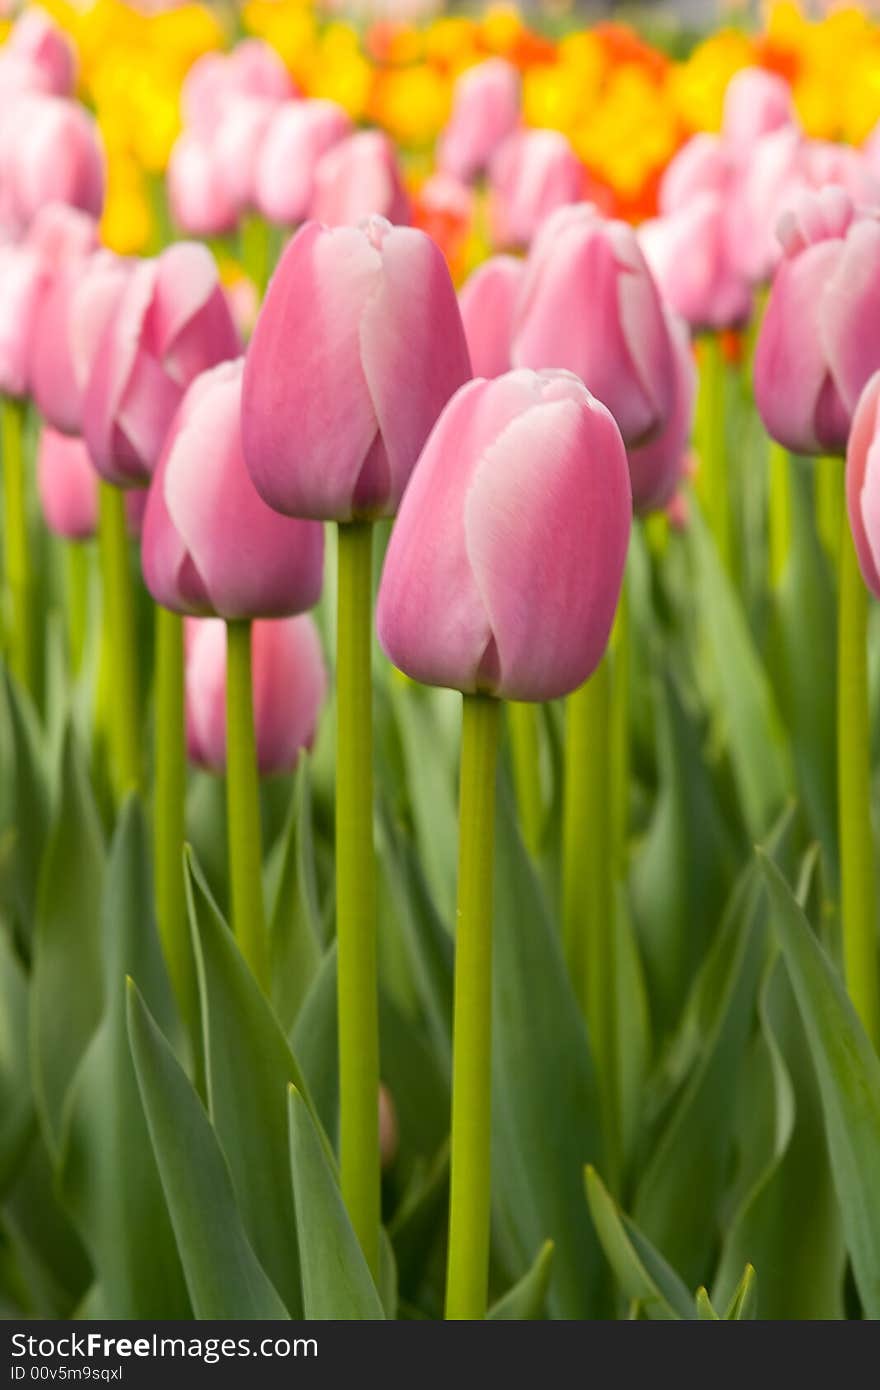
588,891
467,1276
243,805
255,246
857,873
120,642
714,479
78,567
779,512
169,821
620,761
20,579
525,746
356,891
830,508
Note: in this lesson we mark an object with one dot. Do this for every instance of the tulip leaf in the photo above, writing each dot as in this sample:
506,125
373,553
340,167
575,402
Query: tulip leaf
28,811
336,1282
67,992
545,1106
742,1305
525,1301
430,753
16,1103
705,1311
848,1073
642,1273
295,924
223,1275
314,1043
108,1177
758,746
52,1266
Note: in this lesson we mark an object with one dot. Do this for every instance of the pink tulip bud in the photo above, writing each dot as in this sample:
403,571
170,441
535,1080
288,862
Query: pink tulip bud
299,133
690,255
50,152
171,322
210,544
504,567
358,347
863,483
68,489
656,469
289,689
252,69
487,302
589,304
359,177
767,180
485,109
237,147
200,200
756,103
37,40
824,162
532,173
820,338
703,165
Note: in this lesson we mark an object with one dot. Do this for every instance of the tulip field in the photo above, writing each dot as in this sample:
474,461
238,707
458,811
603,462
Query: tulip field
439,664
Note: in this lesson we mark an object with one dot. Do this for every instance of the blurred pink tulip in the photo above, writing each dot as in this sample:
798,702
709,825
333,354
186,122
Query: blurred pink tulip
824,162
690,255
289,689
702,165
171,322
863,483
656,469
756,103
505,564
200,199
359,177
252,69
237,145
532,173
485,109
68,487
37,40
299,133
210,543
589,304
358,347
50,152
487,301
766,182
820,338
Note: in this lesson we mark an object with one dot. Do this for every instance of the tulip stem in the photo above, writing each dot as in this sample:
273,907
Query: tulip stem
78,570
467,1278
857,872
588,884
19,568
779,515
119,653
526,750
169,822
830,508
243,805
620,650
714,472
356,891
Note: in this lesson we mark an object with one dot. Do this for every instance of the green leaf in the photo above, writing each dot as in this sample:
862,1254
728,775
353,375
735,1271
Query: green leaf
28,810
314,1043
249,1067
545,1105
336,1281
16,1103
641,1271
223,1275
67,992
430,749
705,1311
295,924
108,1177
525,1301
52,1267
848,1072
744,1301
758,746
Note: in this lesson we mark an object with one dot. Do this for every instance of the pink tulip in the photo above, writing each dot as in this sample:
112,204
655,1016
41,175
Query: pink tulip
863,483
589,304
252,69
824,162
289,689
299,133
200,200
68,487
237,145
820,338
504,567
487,302
37,40
690,255
358,347
766,182
703,165
656,469
49,153
485,109
532,173
210,544
359,177
756,103
171,322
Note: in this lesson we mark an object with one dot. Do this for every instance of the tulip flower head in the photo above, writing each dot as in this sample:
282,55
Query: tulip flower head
485,109
488,302
50,152
656,468
504,567
532,173
820,338
211,546
756,103
37,41
68,488
863,483
357,348
589,304
299,134
359,177
289,689
202,204
252,69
